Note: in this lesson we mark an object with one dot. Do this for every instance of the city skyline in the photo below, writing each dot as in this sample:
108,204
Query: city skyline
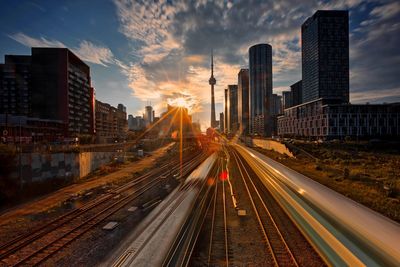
137,62
199,132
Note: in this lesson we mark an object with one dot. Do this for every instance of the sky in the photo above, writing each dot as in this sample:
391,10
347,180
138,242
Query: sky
152,52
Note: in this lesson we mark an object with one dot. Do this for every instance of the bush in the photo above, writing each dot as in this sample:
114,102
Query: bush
346,173
318,167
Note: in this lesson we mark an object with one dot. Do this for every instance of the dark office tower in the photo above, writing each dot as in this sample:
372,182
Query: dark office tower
325,56
297,93
15,80
226,111
221,122
243,101
233,121
276,108
61,89
287,99
260,96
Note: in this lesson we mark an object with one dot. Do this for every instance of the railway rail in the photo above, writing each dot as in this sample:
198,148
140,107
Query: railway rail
285,243
343,232
44,241
171,225
218,250
181,251
276,244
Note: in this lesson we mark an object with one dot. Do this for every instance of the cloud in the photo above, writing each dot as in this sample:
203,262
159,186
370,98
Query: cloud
86,50
172,41
35,42
374,55
94,54
386,11
391,95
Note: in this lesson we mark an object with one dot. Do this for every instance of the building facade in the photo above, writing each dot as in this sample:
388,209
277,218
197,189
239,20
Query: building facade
148,115
322,119
221,122
243,101
15,85
226,100
59,75
260,96
52,86
135,123
276,108
325,56
111,123
287,99
297,93
233,120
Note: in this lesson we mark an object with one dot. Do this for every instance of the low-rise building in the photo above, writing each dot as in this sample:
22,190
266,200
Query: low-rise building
23,129
324,119
111,123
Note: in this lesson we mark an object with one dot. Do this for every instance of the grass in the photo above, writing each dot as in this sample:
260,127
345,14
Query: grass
368,175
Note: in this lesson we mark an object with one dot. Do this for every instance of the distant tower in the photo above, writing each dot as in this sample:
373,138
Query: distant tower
212,81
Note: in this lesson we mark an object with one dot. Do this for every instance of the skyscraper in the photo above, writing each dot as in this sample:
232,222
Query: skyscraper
233,122
212,81
287,99
325,56
221,122
260,96
148,115
297,93
276,108
226,111
243,100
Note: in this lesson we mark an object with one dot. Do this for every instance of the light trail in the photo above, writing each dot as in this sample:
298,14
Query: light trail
343,231
181,139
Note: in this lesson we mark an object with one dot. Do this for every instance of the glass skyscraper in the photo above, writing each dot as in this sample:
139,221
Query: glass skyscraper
260,100
243,100
325,56
233,122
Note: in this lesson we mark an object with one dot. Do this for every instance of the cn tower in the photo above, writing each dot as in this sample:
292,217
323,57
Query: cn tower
212,81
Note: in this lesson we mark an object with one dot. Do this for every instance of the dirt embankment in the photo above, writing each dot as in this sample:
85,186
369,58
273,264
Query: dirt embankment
104,176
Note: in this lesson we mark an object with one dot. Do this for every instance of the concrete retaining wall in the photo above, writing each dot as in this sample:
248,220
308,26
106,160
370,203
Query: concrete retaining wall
90,161
38,167
272,145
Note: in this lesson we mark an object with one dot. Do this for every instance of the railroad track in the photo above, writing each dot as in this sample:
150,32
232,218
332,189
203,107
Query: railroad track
181,251
276,244
218,249
186,234
304,251
43,242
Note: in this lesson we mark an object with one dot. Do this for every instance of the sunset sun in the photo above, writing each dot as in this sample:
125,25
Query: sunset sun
182,101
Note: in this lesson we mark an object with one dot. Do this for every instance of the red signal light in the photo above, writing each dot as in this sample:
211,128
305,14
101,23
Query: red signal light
223,176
